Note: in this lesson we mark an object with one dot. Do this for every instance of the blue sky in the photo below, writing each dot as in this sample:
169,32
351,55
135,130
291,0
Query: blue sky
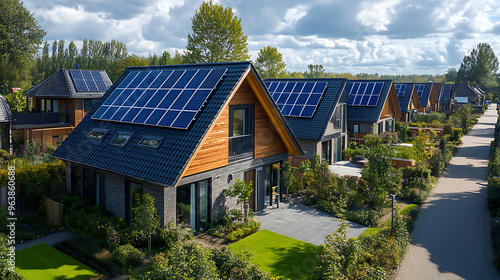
385,37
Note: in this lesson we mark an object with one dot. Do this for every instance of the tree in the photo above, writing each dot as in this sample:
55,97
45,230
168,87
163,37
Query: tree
217,36
315,71
20,38
145,219
270,63
480,66
451,75
242,191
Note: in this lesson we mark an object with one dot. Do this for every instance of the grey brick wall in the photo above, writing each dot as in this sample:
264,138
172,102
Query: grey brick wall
114,186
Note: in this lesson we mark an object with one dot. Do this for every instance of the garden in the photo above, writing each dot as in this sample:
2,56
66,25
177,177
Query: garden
493,193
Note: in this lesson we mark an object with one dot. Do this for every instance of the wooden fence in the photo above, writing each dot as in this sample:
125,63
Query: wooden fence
55,211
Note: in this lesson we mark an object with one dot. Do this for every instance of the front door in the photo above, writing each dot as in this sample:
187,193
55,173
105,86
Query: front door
250,177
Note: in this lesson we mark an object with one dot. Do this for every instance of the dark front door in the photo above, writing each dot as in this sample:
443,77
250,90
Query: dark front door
250,177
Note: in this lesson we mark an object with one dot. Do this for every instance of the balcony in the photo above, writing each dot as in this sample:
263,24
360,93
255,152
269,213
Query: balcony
241,146
36,118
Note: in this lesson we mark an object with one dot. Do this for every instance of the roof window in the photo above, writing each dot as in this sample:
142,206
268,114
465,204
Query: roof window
121,138
150,141
97,134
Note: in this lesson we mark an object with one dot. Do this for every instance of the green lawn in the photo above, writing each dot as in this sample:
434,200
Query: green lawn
279,254
44,262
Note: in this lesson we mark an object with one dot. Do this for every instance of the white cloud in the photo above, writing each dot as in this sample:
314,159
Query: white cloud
292,16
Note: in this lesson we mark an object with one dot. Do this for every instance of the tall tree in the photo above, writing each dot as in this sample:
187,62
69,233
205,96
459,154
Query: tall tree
451,75
20,38
270,63
315,71
217,36
480,66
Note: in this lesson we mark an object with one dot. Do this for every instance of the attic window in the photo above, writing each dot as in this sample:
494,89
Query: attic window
150,142
121,138
97,134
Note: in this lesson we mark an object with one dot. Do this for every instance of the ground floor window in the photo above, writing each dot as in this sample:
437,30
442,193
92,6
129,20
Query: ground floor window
94,187
271,183
326,151
337,149
131,190
193,204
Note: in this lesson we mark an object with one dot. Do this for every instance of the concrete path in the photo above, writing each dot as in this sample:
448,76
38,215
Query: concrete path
303,223
50,239
451,239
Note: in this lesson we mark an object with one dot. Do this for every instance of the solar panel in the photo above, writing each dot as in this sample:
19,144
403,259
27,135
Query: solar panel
401,89
364,93
420,90
296,99
88,80
168,98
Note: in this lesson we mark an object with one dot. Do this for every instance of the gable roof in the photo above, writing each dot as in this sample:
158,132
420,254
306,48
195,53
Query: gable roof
314,128
369,114
166,164
438,89
5,113
465,90
446,97
61,85
425,99
410,92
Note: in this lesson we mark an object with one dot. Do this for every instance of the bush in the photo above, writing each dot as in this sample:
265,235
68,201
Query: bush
493,194
367,217
236,266
5,273
128,256
457,134
244,230
170,235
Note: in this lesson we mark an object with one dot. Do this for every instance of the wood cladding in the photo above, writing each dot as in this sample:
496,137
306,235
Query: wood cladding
214,152
390,106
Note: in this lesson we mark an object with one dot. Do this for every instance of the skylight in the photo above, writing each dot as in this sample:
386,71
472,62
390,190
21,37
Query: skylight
97,134
150,142
121,138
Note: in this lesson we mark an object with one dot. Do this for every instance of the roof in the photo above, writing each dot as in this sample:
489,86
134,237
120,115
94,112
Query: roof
5,113
404,101
61,85
166,164
369,114
438,88
426,94
314,128
445,97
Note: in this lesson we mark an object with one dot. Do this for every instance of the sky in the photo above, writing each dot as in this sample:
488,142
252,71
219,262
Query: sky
355,36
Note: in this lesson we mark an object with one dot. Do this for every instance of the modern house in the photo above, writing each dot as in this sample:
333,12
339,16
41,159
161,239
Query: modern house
438,89
426,98
58,104
408,101
5,125
446,98
372,107
467,94
316,110
182,133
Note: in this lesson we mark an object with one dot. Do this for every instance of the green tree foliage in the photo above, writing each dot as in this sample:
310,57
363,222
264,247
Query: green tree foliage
217,36
16,101
20,38
166,58
6,268
242,191
480,66
382,177
451,75
315,71
270,63
145,219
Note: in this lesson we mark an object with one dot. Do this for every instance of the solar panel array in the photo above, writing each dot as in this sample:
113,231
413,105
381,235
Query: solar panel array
420,90
400,89
88,80
364,93
296,99
167,98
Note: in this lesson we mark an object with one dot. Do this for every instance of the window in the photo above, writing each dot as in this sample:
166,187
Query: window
97,134
193,202
326,151
150,142
240,130
131,190
30,104
121,138
88,104
356,128
55,104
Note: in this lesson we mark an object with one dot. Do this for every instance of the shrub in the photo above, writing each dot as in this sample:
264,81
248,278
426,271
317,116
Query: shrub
367,217
457,134
170,235
5,273
243,230
236,266
128,256
493,196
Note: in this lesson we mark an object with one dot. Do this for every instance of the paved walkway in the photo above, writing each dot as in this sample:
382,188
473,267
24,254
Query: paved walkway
303,223
50,239
451,239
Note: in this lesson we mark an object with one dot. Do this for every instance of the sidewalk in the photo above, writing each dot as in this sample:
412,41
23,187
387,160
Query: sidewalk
50,239
451,239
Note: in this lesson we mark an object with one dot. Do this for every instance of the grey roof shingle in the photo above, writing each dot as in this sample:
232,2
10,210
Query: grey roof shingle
369,114
314,128
425,98
404,101
5,113
165,164
60,84
445,97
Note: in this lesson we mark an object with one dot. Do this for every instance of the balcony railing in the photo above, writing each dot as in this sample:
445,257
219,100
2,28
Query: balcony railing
239,145
36,118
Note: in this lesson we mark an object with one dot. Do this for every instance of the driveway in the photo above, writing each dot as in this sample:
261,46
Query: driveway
303,223
451,239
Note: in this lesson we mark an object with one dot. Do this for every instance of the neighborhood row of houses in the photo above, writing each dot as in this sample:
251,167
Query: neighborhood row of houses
184,133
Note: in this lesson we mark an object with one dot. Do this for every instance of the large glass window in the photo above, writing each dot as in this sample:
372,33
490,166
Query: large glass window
240,130
193,204
121,139
132,189
326,151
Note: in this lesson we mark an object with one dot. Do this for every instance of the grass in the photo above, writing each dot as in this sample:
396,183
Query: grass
370,231
279,254
44,262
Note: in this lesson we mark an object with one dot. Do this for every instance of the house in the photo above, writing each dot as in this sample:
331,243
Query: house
426,98
316,110
467,94
408,101
446,98
372,107
5,125
182,133
438,89
58,104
